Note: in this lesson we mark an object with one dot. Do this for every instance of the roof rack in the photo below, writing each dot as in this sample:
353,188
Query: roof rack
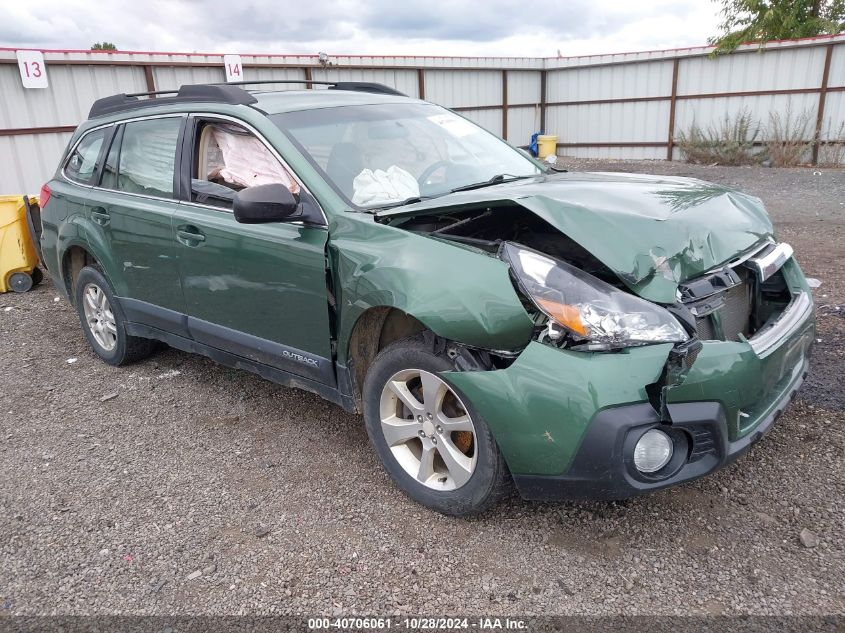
230,93
354,86
221,93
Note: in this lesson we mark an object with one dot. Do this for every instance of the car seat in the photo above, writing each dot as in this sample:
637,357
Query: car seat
345,162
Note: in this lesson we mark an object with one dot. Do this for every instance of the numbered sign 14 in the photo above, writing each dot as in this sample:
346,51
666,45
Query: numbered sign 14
234,68
32,68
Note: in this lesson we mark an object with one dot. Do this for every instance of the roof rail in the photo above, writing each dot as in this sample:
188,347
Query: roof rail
221,93
354,86
230,93
363,86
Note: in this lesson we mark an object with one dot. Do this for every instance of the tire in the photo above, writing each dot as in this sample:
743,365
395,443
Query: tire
37,276
459,490
107,336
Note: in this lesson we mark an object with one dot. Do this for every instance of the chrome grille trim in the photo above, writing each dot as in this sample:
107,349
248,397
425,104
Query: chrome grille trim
770,261
754,250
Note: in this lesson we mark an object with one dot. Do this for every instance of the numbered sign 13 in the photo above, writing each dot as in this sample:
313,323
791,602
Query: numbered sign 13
234,68
32,68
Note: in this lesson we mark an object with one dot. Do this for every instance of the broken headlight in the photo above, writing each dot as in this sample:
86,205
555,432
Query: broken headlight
596,315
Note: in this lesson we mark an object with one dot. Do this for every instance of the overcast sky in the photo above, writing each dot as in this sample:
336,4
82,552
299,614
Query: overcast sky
379,27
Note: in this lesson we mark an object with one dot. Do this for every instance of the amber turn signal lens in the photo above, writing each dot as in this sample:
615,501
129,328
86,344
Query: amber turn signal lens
568,316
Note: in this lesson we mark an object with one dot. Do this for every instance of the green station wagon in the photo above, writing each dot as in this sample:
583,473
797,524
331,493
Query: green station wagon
496,320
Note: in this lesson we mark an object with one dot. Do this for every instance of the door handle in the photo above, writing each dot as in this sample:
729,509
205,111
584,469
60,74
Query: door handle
100,216
189,235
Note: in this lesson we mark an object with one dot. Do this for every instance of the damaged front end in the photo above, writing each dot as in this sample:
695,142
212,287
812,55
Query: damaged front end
624,384
650,329
678,364
578,302
576,311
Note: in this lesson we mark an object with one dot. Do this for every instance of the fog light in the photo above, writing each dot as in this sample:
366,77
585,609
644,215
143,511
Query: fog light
653,451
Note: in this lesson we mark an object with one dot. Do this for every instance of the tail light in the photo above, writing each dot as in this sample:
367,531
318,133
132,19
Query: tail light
44,197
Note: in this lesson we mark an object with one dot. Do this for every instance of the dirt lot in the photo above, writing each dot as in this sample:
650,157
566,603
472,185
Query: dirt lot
118,485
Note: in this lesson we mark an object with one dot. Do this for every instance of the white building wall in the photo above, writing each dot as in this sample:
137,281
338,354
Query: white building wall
626,115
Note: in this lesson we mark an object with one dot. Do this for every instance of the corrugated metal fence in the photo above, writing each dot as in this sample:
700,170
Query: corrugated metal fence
611,106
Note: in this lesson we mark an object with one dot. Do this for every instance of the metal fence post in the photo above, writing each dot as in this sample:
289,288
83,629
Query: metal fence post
673,99
149,77
543,79
822,97
505,104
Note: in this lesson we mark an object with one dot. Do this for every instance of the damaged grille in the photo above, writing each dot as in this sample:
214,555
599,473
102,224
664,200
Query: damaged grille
722,303
734,316
738,300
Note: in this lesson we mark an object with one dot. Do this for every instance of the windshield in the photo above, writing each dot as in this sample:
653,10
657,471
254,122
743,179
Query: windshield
386,154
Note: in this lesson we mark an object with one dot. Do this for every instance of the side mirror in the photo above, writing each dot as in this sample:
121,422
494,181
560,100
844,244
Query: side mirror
265,203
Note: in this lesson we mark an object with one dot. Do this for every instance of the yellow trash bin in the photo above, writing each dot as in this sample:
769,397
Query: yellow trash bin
546,145
18,255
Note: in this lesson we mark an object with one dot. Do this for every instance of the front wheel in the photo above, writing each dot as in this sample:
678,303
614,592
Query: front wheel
432,442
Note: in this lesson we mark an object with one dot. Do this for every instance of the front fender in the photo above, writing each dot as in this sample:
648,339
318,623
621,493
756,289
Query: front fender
460,294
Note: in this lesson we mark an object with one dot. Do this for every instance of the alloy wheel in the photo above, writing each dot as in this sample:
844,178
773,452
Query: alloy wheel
428,429
99,317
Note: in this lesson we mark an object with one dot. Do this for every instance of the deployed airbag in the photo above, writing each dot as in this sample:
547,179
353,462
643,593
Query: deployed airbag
247,162
379,186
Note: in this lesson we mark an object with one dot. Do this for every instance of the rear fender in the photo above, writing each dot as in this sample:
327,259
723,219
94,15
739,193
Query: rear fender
81,232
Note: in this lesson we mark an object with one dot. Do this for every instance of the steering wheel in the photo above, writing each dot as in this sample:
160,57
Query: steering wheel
428,171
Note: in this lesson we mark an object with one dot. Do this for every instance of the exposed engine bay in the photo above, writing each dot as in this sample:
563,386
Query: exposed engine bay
488,228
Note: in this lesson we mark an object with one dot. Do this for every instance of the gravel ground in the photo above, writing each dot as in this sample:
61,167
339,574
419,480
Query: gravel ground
178,486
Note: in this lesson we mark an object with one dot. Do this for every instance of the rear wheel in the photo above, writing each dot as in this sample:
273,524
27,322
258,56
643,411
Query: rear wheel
432,442
103,322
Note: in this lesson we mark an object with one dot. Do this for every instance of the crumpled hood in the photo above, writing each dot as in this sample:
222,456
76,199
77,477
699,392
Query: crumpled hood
653,231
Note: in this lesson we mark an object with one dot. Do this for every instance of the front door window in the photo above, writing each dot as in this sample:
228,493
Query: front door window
229,159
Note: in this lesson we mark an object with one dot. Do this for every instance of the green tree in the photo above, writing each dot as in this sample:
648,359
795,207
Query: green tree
103,46
765,20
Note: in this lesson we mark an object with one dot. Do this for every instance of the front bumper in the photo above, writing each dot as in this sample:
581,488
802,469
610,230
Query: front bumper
603,469
566,422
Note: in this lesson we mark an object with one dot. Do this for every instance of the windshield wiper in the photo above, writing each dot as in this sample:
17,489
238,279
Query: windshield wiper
495,180
401,203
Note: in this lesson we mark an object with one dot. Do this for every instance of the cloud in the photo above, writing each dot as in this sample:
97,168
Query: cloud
483,22
425,27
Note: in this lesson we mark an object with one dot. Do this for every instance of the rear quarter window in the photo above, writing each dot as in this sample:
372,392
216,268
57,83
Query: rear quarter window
81,165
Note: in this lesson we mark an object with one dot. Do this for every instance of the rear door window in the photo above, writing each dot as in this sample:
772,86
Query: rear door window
81,165
148,157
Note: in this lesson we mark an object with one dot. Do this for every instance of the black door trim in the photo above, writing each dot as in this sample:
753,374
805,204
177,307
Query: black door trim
155,316
261,350
228,359
252,348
